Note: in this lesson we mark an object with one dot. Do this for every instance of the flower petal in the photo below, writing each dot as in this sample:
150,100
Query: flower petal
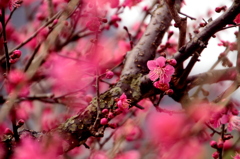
161,61
151,64
169,70
153,75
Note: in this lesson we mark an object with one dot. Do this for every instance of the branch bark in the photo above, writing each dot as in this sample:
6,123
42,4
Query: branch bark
79,128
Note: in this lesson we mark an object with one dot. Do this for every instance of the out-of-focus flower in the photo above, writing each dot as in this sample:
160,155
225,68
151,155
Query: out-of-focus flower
93,24
130,3
130,131
99,155
232,121
30,148
132,154
237,156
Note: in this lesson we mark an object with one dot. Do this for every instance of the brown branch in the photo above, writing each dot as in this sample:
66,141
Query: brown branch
180,22
34,34
79,128
5,40
213,76
43,52
199,42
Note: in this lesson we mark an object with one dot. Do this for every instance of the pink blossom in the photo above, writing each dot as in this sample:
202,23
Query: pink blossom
123,103
130,131
132,154
17,78
99,155
130,3
237,156
30,148
159,70
93,24
233,121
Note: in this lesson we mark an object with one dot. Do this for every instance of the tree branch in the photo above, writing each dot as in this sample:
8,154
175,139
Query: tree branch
199,42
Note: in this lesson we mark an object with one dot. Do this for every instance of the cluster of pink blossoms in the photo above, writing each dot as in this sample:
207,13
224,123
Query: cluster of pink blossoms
160,72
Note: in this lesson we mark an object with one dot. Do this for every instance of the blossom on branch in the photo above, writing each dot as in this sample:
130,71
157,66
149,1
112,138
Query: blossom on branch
160,72
123,103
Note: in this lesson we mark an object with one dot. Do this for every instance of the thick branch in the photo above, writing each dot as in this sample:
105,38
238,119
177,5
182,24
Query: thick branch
79,128
199,42
213,76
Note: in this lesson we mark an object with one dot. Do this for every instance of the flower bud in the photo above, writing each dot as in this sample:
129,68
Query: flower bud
20,123
213,144
218,9
17,53
8,131
220,144
109,74
105,111
104,121
215,155
110,115
172,62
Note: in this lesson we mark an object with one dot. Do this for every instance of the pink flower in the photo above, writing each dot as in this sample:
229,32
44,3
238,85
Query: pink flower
130,131
123,103
130,3
93,24
237,156
99,155
132,154
233,121
159,70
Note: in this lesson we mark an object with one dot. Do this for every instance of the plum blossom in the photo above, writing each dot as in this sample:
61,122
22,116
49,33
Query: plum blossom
123,103
131,3
237,156
233,121
159,71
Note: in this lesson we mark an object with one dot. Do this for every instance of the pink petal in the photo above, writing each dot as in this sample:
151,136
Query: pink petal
161,61
153,75
165,79
224,119
169,70
123,96
151,64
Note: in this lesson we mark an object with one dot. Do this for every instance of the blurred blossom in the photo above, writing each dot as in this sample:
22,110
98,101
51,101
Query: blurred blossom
132,154
130,131
30,148
99,155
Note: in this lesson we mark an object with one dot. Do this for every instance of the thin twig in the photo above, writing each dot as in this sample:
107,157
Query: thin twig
187,16
34,34
5,40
